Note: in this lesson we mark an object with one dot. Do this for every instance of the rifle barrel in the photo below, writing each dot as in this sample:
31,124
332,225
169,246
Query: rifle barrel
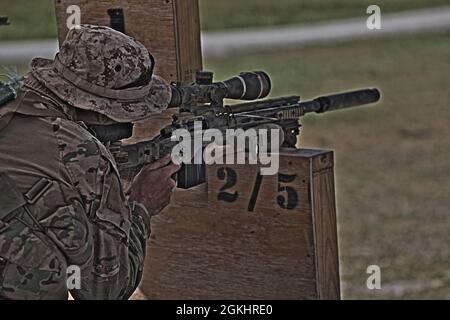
290,107
342,100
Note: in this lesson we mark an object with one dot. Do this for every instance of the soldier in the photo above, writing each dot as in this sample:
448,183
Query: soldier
62,203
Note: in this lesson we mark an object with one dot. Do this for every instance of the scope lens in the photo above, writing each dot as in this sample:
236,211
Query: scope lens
248,86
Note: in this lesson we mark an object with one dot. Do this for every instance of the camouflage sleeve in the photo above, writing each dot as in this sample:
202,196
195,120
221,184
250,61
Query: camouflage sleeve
118,232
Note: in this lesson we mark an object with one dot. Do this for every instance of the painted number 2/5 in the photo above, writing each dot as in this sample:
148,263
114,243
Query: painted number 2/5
286,199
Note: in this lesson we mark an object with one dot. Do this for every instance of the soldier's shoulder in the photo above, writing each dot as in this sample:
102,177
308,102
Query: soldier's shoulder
85,157
76,143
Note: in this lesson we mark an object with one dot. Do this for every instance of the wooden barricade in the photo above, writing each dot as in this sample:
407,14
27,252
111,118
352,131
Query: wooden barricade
247,236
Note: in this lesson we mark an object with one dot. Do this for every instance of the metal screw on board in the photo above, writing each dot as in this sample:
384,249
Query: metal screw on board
4,21
117,19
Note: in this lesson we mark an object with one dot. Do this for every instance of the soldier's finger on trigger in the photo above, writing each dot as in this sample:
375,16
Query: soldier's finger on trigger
172,184
170,169
166,202
160,163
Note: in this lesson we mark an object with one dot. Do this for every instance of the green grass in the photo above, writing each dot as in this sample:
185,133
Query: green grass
392,160
29,19
224,14
36,18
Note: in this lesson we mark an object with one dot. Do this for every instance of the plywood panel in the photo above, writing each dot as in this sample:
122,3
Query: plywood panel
203,247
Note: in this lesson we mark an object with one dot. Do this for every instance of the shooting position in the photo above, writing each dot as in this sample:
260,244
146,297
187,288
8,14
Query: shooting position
70,199
203,119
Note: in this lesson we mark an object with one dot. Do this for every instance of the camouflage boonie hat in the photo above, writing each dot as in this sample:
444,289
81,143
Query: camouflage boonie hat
102,70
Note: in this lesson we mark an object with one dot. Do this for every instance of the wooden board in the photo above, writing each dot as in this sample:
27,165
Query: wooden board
170,29
229,239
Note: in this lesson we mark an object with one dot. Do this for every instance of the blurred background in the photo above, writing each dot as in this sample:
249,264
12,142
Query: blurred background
392,159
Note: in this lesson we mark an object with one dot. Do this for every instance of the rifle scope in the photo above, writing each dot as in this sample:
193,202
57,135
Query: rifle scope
246,86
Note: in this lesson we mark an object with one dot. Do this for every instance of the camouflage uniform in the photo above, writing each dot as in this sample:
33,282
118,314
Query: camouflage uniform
61,199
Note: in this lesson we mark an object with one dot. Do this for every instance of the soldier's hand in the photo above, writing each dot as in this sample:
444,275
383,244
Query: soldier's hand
153,186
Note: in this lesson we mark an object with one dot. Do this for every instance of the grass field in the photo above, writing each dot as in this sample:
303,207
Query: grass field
35,19
224,14
392,160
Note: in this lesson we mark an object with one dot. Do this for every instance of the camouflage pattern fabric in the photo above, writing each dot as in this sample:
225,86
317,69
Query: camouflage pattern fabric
102,70
83,218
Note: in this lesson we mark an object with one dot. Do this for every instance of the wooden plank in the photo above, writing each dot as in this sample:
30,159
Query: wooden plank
325,235
205,248
188,38
196,253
